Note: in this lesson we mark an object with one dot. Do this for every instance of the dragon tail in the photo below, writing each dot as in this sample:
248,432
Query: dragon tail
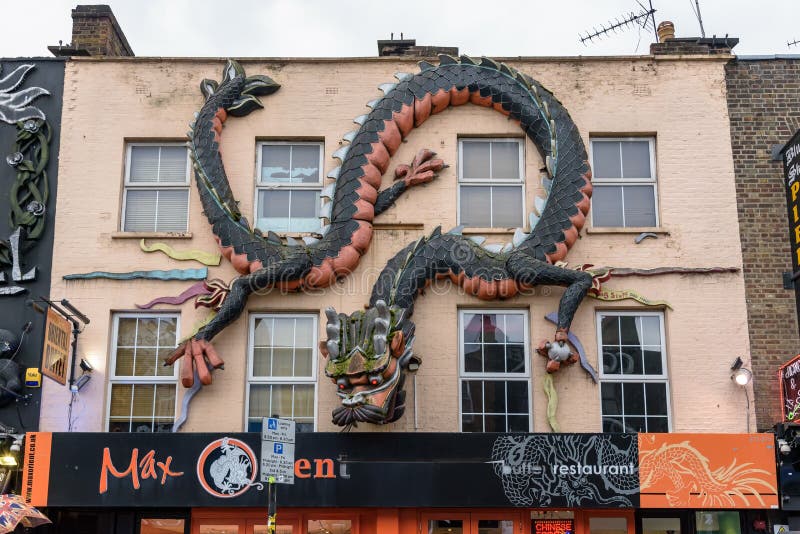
236,95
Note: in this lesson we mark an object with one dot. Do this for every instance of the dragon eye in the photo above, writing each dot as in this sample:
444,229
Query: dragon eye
343,383
375,380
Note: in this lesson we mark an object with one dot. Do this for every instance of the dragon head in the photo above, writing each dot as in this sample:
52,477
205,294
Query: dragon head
369,353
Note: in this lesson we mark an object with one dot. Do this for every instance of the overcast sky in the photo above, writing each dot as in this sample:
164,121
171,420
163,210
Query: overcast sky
321,28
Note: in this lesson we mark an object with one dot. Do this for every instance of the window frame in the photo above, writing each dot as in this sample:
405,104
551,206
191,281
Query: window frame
172,186
144,380
467,182
515,377
622,182
282,186
281,380
663,378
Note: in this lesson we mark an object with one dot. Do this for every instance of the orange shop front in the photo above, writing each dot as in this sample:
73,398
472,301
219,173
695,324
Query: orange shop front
440,483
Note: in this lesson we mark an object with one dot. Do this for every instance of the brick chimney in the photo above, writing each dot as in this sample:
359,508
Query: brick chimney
408,47
669,45
95,32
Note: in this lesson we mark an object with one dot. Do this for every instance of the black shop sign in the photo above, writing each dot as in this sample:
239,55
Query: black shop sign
334,470
791,174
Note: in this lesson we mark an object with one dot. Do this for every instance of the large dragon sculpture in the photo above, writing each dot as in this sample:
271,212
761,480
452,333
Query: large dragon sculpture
369,352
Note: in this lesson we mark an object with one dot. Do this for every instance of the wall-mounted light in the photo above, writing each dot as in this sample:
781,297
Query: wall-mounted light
739,374
86,367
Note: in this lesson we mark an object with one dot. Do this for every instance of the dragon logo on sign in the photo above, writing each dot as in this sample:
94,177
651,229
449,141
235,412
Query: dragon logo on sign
227,468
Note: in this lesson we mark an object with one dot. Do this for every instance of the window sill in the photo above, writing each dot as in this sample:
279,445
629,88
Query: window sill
151,235
630,230
488,231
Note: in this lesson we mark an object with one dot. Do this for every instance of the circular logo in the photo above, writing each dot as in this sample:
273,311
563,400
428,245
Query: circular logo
226,468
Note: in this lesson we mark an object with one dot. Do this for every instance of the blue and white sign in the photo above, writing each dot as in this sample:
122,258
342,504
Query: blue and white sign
277,450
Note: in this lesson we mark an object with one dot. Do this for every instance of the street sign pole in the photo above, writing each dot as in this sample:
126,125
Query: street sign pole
277,462
272,506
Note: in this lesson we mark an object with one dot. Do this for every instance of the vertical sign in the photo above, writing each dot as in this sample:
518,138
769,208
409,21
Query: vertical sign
791,174
789,379
55,355
277,450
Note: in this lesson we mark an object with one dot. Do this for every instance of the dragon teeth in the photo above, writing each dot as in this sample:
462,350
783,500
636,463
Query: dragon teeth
349,136
402,76
533,219
387,87
361,119
334,173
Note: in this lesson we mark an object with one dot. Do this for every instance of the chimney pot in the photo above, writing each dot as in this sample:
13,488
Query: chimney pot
666,31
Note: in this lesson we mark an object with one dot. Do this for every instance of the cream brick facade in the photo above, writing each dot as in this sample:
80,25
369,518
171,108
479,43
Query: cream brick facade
680,100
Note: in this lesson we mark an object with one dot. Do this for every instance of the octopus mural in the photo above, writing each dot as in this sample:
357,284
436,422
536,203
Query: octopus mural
369,352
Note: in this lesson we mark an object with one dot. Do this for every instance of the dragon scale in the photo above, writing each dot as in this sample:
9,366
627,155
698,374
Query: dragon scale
487,272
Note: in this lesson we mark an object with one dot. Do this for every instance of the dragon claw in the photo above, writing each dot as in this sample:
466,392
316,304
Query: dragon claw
558,352
197,356
422,170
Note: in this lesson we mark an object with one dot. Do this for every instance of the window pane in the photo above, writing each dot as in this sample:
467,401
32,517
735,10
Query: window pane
121,395
475,159
611,394
494,396
629,334
651,330
635,424
633,399
126,332
304,332
607,205
262,361
161,526
473,358
259,401
124,364
472,423
656,399
303,362
144,164
284,332
505,160
636,159
471,396
145,364
518,423
273,210
493,526
281,405
263,332
475,206
609,326
282,361
489,325
304,401
515,358
631,360
173,164
329,526
494,423
657,424
517,396
472,328
652,361
640,205
445,526
613,424
605,159
305,164
172,210
494,358
611,360
506,206
167,332
143,400
275,163
515,328
140,211
718,522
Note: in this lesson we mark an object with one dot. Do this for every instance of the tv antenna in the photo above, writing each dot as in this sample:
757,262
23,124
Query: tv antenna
644,17
696,9
792,43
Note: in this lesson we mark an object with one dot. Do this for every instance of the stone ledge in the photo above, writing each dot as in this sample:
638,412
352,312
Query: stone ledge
630,230
151,235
